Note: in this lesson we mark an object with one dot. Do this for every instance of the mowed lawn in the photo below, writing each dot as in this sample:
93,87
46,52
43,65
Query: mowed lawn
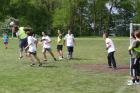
16,76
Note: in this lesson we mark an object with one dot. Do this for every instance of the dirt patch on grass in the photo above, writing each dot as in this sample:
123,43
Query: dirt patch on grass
101,67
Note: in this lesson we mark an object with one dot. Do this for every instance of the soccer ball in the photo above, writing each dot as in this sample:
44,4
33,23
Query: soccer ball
12,23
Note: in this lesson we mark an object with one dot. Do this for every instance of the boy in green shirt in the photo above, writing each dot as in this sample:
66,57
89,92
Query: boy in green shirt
135,48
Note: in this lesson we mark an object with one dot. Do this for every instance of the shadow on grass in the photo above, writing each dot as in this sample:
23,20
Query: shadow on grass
46,66
83,59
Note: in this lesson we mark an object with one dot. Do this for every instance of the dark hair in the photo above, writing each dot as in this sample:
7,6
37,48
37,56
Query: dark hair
30,33
16,28
45,32
137,34
106,34
27,29
133,35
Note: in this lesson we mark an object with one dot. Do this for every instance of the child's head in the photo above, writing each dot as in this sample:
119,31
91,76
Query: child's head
105,35
137,34
69,31
15,28
58,31
44,34
29,33
133,35
5,33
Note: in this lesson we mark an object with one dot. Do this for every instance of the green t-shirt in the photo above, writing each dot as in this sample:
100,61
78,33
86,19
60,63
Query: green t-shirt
21,33
136,48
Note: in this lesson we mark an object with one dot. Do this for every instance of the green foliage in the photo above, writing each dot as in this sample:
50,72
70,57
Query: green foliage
77,15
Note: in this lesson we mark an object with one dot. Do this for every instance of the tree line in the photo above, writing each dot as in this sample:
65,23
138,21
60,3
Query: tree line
83,17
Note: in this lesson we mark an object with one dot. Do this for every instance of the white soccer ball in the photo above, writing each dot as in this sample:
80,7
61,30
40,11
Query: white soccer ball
12,23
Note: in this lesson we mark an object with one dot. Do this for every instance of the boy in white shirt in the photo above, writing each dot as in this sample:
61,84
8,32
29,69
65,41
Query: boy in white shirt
32,48
46,46
111,50
69,42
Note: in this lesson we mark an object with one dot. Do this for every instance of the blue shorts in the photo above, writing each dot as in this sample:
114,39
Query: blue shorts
23,43
70,48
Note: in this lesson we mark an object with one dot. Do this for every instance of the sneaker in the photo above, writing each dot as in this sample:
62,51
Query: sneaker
60,58
129,83
137,83
32,64
55,59
40,64
20,57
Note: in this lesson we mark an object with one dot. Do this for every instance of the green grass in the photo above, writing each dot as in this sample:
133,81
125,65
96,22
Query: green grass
16,76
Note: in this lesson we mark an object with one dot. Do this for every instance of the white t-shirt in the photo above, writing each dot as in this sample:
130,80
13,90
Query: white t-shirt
69,39
46,42
32,43
110,45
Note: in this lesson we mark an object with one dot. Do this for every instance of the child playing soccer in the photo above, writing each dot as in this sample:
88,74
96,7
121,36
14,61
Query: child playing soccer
135,61
60,45
46,46
32,42
111,50
5,38
69,42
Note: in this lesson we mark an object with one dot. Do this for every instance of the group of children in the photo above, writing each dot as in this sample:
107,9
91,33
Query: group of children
32,42
134,51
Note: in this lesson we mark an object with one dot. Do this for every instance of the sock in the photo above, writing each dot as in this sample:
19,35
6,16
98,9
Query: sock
133,80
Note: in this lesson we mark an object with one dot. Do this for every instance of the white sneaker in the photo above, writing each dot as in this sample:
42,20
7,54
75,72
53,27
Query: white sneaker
129,83
137,83
60,58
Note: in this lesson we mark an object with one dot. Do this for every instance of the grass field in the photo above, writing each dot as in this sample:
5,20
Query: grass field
16,76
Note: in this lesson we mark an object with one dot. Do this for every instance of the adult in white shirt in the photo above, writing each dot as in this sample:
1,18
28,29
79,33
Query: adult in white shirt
32,48
69,42
46,46
111,50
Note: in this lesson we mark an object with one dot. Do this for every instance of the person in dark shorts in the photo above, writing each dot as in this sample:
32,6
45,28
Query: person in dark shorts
135,66
22,36
46,40
69,42
60,45
32,48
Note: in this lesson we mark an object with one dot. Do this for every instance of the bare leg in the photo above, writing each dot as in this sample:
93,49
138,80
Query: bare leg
31,58
52,54
61,53
38,60
5,46
45,57
20,53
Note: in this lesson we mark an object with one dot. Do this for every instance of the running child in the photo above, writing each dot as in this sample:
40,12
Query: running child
135,66
60,45
69,42
32,48
111,50
46,46
5,39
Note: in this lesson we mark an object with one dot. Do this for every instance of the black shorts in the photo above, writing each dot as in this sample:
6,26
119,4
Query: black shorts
59,47
33,53
23,43
70,48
